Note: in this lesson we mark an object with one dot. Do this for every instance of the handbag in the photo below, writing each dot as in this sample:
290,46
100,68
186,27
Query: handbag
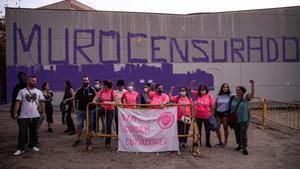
186,119
232,118
212,123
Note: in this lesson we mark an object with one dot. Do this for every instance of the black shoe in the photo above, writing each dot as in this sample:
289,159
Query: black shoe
76,143
72,132
238,148
50,130
245,152
208,145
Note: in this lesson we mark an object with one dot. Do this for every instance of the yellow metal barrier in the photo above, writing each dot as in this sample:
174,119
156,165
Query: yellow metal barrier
102,132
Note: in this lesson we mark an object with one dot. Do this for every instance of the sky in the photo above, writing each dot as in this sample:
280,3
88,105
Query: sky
160,6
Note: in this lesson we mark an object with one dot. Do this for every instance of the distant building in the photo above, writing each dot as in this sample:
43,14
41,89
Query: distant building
69,5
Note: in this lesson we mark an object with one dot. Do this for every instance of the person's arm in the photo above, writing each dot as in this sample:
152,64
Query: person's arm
171,91
16,108
13,101
42,106
75,101
251,94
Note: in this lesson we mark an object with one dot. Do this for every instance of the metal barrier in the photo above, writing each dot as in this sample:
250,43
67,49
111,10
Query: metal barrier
103,130
285,114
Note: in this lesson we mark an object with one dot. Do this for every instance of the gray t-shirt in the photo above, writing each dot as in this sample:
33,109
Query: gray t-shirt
30,102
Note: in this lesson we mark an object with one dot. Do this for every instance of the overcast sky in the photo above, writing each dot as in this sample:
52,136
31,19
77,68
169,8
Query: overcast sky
161,6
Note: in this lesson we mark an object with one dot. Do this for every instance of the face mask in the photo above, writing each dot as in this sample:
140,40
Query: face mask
97,86
145,89
130,88
182,93
160,91
203,92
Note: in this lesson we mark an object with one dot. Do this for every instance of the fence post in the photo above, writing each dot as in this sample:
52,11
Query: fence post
264,113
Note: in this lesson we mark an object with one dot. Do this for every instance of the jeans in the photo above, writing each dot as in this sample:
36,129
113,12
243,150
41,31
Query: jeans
81,117
95,120
109,115
24,125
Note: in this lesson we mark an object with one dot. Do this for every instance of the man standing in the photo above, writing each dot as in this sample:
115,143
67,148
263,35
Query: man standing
120,91
21,85
31,98
83,96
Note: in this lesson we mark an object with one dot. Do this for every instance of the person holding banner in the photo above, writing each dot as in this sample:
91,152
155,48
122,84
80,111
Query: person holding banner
130,96
158,97
183,113
204,106
106,96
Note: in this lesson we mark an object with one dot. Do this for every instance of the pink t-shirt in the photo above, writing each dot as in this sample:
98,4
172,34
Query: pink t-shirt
130,98
203,107
182,110
107,95
158,99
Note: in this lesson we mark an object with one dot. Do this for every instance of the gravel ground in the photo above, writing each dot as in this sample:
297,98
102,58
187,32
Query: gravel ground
268,149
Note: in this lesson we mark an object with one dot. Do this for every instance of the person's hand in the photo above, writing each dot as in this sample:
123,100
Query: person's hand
172,88
251,82
16,117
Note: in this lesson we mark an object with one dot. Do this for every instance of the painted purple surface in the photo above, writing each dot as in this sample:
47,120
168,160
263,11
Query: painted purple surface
129,72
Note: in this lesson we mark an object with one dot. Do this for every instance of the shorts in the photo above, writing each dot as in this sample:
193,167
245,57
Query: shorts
221,115
81,117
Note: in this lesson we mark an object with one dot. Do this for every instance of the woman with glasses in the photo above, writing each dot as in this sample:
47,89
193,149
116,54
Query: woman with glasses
204,106
240,104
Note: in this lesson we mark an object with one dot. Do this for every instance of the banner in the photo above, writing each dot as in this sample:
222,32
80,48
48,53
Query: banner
148,130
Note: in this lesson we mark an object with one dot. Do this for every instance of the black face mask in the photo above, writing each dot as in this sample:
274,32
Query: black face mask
160,91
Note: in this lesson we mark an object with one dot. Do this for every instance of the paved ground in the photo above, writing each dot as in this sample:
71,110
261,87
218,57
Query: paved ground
268,149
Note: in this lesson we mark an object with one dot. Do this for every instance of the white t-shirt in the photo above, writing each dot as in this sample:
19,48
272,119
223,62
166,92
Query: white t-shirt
29,102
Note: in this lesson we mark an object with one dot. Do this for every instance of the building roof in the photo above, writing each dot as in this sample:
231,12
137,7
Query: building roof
68,4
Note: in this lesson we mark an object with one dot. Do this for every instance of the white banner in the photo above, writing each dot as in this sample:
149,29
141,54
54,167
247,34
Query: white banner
148,130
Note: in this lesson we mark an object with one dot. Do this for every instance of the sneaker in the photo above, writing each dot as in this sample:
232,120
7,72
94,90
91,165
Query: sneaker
19,152
76,143
93,132
72,133
220,144
238,148
208,145
245,152
107,146
225,145
35,149
50,130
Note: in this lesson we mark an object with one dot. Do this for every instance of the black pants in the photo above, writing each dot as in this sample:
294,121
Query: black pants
183,129
240,132
95,120
69,120
109,115
24,125
199,122
116,121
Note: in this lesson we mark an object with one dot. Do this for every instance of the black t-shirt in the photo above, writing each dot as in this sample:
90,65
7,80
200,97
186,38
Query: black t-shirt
84,96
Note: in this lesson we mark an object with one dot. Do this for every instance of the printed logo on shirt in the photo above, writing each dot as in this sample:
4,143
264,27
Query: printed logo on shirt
30,98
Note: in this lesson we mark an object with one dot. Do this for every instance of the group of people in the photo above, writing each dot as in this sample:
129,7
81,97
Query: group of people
102,93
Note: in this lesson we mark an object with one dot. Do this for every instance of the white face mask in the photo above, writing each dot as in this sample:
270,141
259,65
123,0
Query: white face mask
182,93
130,88
145,89
203,92
97,86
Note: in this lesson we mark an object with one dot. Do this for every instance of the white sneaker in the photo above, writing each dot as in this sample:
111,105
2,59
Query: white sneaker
18,152
35,149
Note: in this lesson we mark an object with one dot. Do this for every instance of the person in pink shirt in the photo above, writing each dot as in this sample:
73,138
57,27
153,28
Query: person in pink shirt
204,106
158,97
106,95
183,113
130,96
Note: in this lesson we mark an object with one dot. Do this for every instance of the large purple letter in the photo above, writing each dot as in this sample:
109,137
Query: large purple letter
236,50
284,39
184,57
26,46
269,50
79,48
195,42
214,59
66,60
134,35
260,48
153,39
114,35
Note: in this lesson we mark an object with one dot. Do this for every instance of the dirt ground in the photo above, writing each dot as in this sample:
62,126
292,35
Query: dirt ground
268,149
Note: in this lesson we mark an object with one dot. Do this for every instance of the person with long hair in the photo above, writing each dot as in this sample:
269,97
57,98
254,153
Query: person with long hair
67,108
183,112
48,95
222,111
204,107
105,96
240,103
